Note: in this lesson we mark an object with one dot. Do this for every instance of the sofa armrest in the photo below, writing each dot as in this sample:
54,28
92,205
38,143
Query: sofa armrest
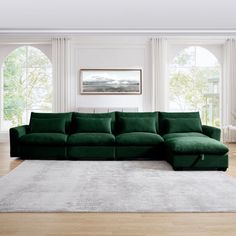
15,134
211,132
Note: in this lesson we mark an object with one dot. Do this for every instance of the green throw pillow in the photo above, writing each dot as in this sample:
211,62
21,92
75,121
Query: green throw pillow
140,115
93,125
129,125
93,116
180,125
52,125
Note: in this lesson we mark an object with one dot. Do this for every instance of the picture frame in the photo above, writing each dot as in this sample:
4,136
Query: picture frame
110,81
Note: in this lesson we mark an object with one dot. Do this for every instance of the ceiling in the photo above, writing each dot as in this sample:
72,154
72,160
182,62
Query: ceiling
117,15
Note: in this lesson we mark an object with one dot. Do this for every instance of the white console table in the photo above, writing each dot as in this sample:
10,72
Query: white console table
229,130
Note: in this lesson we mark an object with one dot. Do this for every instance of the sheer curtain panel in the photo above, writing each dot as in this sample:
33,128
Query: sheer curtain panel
159,73
60,61
229,83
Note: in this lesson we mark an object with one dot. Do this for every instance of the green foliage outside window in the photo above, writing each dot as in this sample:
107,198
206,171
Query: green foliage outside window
194,87
27,85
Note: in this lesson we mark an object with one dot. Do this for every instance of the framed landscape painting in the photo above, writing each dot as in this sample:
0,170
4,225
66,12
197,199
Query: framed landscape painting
111,81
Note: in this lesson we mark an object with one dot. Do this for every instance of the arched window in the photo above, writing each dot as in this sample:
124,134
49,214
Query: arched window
26,86
194,79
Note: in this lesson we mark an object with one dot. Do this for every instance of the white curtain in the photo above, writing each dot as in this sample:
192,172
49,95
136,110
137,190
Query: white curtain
229,83
159,73
60,61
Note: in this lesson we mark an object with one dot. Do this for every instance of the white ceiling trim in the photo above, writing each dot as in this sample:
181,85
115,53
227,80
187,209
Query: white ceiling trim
165,32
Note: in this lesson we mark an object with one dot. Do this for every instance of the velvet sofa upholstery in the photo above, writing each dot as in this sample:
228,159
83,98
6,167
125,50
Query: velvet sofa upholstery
137,136
178,138
42,145
193,150
91,144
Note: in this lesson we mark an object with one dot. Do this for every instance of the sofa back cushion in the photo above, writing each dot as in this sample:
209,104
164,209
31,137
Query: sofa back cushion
76,115
66,116
137,122
52,125
128,124
182,125
93,125
165,125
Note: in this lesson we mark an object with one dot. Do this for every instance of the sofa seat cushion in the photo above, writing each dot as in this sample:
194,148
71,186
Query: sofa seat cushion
179,135
96,139
44,139
138,139
195,145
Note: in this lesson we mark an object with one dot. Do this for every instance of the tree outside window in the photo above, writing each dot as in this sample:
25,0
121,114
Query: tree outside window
194,80
27,86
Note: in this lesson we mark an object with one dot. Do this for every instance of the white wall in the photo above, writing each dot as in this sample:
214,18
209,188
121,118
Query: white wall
111,53
114,52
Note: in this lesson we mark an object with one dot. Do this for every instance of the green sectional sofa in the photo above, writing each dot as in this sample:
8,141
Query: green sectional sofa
178,138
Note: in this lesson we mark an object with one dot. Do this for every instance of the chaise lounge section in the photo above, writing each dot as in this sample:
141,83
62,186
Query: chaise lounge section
191,145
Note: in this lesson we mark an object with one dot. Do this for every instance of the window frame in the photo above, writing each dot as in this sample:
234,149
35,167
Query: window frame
45,47
215,46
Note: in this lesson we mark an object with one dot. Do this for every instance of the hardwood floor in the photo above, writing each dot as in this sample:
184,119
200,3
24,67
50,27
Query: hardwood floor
115,224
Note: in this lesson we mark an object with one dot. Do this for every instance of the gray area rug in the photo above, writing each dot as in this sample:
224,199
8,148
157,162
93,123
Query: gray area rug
114,186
